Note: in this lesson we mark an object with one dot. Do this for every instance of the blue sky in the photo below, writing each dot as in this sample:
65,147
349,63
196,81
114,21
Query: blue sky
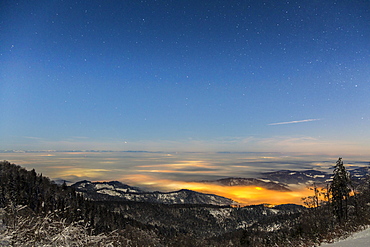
185,75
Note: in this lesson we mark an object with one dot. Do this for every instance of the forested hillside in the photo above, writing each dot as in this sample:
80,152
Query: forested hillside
35,211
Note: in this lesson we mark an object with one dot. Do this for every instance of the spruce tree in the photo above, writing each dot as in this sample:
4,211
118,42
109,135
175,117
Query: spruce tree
339,190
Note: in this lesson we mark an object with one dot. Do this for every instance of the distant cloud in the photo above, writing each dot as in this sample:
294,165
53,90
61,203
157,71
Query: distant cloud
293,122
32,137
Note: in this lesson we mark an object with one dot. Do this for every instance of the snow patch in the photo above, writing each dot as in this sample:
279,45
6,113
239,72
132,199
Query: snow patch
220,214
109,192
104,186
265,180
319,176
274,211
358,239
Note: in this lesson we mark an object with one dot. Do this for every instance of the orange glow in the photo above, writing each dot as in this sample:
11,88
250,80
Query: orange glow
80,172
247,195
180,165
243,195
60,167
174,171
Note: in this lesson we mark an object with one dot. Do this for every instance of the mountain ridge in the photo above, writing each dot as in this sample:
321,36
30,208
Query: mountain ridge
238,181
114,190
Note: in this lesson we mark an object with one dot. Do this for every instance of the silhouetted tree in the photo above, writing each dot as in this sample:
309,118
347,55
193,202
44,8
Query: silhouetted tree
340,189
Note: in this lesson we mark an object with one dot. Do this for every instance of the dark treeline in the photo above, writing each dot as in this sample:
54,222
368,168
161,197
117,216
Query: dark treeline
19,187
31,204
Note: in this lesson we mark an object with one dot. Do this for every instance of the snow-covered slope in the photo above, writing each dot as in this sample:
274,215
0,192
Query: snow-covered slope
358,239
112,188
297,177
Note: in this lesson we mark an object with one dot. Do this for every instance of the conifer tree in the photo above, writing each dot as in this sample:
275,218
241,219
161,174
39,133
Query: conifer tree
340,190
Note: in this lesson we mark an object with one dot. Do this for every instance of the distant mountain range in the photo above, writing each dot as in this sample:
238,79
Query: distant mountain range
249,182
117,191
287,177
114,190
278,181
308,177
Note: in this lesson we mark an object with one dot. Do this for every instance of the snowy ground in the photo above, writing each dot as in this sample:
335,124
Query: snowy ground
358,239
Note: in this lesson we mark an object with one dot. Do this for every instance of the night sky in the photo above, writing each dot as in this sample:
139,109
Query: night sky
185,75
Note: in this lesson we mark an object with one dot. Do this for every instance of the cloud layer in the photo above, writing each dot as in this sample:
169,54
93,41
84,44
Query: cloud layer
173,171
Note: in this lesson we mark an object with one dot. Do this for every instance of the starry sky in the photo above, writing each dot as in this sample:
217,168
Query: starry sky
205,75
